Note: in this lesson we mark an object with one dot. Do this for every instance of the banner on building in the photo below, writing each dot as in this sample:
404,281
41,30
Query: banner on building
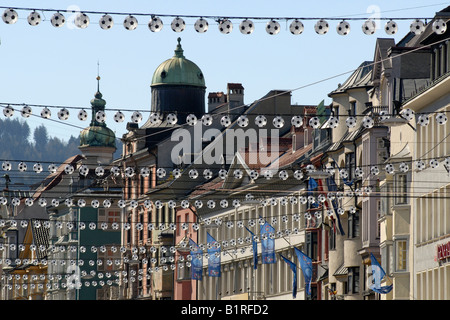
267,243
306,266
197,260
214,256
293,267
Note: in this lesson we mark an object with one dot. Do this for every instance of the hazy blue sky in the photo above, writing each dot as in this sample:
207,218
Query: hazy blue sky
58,66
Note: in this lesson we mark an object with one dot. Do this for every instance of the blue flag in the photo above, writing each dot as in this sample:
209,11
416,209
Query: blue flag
214,257
312,184
197,260
255,250
378,274
293,267
331,186
306,266
267,244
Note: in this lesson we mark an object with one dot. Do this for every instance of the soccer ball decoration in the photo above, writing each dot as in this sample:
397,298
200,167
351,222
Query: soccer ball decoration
314,122
46,113
129,172
52,168
391,27
333,122
198,204
161,173
106,22
296,27
404,167
420,165
6,166
434,163
225,26
178,24
99,171
10,16
343,28
115,170
374,170
246,26
8,111
119,117
191,119
68,169
207,174
63,114
242,121
100,116
369,26
350,122
408,114
278,122
155,24
368,122
34,18
389,168
441,118
297,121
171,118
207,120
384,115
298,174
359,172
145,172
423,120
136,117
211,204
273,27
176,173
238,174
283,175
130,23
417,27
81,20
95,203
22,167
82,115
84,170
260,121
58,20
439,26
193,174
225,121
81,203
224,203
26,112
223,173
321,27
155,118
254,175
37,168
42,202
201,25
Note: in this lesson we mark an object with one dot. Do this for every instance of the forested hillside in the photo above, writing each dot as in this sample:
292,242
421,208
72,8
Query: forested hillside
18,143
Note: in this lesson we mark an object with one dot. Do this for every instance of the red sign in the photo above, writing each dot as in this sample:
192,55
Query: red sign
443,251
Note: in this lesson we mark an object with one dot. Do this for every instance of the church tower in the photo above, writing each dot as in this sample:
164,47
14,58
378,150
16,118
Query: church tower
178,85
97,142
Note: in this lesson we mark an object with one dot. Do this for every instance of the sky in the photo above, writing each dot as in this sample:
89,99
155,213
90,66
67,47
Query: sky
44,65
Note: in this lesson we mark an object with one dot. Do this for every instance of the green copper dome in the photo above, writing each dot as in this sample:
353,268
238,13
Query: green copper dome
97,134
178,71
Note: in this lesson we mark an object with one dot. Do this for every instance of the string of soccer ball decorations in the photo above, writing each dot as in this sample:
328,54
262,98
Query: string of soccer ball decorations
225,25
268,173
423,119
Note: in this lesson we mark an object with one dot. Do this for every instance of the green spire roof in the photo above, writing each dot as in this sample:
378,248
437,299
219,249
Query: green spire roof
97,134
178,71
